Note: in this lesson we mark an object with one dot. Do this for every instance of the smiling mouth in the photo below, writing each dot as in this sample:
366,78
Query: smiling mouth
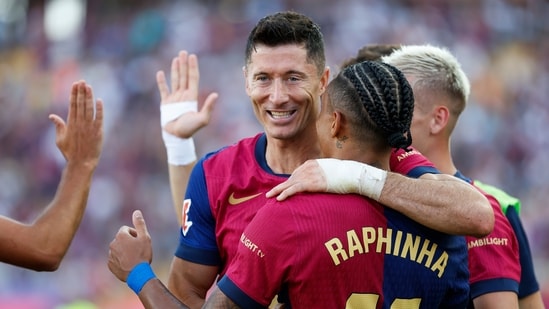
281,115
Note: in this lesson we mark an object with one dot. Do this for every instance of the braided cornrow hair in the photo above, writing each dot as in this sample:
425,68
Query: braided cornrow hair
387,100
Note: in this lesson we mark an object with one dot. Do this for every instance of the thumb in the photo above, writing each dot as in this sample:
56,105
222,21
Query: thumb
139,224
209,104
58,122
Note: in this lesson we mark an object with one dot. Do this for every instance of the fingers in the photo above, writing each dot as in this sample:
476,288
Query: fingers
179,71
174,74
193,74
208,106
291,190
162,86
88,107
82,104
58,122
126,230
99,112
284,192
276,190
139,224
81,101
183,70
72,102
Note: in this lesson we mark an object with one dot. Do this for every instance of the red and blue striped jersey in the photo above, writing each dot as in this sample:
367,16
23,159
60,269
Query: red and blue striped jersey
493,260
338,251
511,208
225,191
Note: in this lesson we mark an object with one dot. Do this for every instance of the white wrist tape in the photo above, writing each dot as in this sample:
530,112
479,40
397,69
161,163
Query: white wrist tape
172,111
345,176
180,151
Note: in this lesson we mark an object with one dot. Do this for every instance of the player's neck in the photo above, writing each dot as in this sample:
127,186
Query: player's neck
364,153
284,156
442,158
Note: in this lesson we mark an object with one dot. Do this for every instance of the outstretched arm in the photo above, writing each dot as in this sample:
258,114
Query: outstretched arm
130,256
180,120
441,202
42,245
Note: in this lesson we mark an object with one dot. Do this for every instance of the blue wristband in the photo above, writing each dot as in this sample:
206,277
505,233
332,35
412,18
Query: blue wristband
140,275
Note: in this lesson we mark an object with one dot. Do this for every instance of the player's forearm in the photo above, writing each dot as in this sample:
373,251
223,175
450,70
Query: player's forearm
179,178
54,229
443,203
155,295
186,294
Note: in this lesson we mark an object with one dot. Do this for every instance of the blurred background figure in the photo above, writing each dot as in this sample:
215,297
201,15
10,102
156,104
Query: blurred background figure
117,46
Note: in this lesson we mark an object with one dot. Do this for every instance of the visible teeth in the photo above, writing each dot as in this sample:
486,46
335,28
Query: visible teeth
281,114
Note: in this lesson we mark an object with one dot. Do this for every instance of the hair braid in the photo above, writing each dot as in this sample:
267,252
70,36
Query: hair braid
387,99
405,104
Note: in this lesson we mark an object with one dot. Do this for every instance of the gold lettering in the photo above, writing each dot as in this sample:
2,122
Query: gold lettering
404,245
410,247
426,252
247,242
440,264
398,240
492,241
406,155
335,248
354,243
369,237
384,240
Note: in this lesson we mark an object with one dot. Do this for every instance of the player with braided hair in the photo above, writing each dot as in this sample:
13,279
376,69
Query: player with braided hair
385,117
285,76
441,89
335,250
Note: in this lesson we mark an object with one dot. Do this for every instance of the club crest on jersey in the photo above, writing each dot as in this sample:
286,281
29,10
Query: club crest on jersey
185,222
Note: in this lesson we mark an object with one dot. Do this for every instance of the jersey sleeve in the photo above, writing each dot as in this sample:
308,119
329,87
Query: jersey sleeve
264,255
197,239
494,260
411,163
510,206
528,281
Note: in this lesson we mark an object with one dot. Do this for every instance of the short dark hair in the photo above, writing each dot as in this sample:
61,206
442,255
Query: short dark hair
288,27
370,52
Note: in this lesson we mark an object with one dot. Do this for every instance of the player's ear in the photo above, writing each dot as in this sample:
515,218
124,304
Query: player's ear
337,123
324,79
441,116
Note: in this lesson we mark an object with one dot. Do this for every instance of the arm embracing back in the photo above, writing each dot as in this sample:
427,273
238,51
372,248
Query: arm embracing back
441,202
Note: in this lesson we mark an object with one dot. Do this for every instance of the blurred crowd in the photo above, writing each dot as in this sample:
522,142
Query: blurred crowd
117,47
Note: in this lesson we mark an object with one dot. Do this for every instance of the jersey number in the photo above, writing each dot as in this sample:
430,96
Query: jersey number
356,301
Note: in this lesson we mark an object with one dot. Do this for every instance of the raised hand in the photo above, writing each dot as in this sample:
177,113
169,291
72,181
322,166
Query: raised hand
185,77
130,247
80,139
